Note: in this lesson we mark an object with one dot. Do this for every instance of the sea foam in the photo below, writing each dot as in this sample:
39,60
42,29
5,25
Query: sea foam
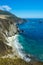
16,45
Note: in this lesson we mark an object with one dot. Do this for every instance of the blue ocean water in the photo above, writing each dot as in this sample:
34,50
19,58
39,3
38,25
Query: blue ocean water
31,37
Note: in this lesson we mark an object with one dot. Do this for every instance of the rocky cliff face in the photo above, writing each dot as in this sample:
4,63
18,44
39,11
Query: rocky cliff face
8,28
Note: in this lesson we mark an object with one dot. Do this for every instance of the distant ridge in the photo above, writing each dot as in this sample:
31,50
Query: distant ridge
2,12
11,16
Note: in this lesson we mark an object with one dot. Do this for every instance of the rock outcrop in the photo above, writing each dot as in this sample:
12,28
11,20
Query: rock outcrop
8,28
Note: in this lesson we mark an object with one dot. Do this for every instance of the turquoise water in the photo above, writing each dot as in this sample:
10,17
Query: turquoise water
32,38
32,47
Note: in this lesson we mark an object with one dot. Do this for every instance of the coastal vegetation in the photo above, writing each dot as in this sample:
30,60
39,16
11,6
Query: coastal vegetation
8,61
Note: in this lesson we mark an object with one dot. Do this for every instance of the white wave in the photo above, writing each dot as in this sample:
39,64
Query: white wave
14,42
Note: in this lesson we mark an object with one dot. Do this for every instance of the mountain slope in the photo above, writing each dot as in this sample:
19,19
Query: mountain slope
8,28
5,13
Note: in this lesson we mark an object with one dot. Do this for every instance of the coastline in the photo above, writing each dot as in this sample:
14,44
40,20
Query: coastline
18,51
17,48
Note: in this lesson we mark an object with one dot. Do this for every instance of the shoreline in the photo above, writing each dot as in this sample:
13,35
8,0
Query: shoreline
17,49
15,55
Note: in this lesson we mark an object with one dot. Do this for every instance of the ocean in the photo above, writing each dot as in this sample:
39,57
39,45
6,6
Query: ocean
31,38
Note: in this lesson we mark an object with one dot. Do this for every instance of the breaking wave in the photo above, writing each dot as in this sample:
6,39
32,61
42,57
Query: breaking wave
16,45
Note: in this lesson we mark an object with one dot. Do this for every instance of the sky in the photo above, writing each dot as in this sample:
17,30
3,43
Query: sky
23,8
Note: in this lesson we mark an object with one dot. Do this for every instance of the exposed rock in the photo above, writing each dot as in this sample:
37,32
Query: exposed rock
8,28
4,49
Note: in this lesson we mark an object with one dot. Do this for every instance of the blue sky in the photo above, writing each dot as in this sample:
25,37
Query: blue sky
23,8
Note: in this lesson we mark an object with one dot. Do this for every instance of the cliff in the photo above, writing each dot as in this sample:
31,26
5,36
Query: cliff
8,29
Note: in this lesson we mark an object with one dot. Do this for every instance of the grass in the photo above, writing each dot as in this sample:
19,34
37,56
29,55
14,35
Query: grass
8,61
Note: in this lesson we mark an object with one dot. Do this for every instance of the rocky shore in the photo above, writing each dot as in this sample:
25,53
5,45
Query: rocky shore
8,30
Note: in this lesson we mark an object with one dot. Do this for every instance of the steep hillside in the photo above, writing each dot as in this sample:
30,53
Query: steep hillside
8,28
8,15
